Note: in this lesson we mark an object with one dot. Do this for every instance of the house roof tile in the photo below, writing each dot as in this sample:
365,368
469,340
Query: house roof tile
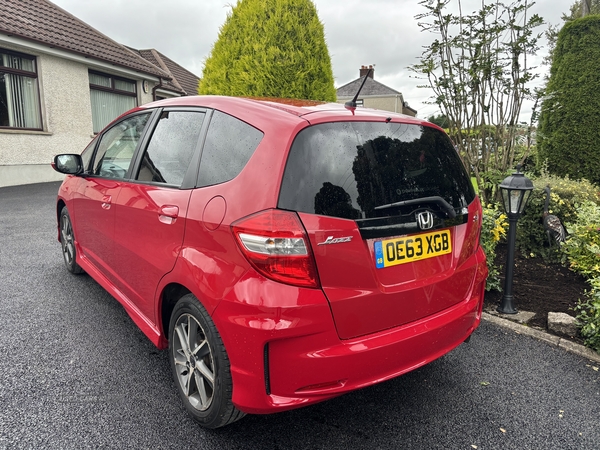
371,87
44,22
183,81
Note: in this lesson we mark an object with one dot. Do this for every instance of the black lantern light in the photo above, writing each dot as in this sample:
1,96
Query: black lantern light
515,190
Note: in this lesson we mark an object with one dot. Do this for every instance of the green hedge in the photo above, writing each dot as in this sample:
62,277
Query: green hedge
568,133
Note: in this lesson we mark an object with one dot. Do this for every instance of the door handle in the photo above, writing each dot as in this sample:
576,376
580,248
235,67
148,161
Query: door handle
168,214
106,201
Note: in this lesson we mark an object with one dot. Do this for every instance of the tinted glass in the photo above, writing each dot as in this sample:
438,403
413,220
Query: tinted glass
117,147
347,169
229,145
170,150
86,155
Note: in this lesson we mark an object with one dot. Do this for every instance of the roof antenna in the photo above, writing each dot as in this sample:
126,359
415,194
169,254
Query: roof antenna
352,103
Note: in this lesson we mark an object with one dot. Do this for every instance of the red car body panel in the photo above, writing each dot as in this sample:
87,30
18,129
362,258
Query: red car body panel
308,362
288,346
365,299
149,230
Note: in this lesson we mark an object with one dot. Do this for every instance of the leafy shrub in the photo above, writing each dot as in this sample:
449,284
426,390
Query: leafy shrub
493,229
588,317
565,195
582,248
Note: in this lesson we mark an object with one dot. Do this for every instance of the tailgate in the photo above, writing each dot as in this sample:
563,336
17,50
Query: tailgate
421,274
391,216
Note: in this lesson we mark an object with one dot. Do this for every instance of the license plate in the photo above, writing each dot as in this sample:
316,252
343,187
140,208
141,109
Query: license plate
392,252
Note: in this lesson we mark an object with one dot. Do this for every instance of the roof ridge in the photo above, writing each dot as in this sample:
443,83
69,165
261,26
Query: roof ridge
158,56
186,80
138,53
370,86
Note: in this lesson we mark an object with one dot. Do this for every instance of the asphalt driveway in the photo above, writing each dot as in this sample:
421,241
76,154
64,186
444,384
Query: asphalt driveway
75,372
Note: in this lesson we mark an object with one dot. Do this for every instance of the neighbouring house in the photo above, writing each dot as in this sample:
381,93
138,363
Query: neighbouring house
62,81
374,94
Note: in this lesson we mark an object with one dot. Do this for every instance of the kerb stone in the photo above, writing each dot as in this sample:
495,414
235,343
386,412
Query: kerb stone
561,323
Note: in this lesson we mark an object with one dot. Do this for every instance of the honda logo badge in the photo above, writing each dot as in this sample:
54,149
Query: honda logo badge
425,220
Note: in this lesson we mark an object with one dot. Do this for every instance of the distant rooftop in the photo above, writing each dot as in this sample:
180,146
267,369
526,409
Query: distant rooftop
44,22
183,81
371,86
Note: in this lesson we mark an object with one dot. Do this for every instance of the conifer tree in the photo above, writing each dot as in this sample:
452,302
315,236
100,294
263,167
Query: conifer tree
270,48
569,135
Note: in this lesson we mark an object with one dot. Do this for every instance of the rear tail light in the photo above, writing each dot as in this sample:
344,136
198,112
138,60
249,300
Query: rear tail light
473,231
276,245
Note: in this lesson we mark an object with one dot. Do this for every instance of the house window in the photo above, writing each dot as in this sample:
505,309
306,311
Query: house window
19,95
111,96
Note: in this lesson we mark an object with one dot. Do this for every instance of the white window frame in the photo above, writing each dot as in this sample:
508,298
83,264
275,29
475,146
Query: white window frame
20,100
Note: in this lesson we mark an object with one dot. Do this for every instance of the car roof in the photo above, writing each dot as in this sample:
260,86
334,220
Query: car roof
309,110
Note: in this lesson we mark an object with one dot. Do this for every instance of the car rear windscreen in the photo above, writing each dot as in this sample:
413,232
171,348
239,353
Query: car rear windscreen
365,170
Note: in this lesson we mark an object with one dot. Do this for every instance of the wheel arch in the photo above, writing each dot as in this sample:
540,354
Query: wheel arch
169,298
60,204
171,293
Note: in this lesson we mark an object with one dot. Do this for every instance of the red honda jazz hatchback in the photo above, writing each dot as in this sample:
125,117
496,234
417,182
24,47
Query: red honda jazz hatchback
284,252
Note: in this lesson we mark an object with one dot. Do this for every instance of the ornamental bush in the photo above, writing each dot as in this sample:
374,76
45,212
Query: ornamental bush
588,316
270,48
582,248
568,133
532,239
493,228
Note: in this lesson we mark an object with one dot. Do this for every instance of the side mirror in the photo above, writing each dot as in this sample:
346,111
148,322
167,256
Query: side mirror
69,164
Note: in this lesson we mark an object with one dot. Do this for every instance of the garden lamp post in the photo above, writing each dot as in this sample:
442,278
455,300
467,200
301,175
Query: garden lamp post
515,190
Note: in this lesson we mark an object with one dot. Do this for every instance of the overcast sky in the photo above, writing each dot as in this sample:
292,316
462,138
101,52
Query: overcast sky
380,32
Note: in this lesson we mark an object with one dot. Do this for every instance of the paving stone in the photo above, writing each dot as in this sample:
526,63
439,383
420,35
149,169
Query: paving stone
520,316
561,323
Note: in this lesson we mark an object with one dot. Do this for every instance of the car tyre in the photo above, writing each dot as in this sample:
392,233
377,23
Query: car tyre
67,242
200,365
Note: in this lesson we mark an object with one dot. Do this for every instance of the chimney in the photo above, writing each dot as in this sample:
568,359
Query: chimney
364,69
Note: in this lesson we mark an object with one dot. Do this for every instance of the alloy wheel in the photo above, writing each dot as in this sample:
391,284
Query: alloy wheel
66,239
194,362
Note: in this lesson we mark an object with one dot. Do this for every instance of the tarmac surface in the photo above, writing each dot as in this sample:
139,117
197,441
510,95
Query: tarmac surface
75,372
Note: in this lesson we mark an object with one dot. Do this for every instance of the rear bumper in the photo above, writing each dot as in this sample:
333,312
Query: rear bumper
286,357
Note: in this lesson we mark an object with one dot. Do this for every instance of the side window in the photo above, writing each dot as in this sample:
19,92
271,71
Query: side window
117,147
229,145
87,154
171,147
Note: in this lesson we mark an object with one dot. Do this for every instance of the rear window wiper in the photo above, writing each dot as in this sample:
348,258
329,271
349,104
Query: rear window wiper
443,204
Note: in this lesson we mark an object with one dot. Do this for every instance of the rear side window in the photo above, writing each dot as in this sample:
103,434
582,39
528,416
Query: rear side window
171,147
229,145
353,169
